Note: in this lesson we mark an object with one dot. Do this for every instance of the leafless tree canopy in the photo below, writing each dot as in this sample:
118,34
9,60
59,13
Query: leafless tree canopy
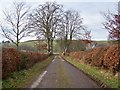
70,27
112,24
87,35
45,20
17,25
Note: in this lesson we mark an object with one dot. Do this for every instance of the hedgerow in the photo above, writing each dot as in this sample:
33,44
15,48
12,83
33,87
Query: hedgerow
10,61
112,58
103,57
13,60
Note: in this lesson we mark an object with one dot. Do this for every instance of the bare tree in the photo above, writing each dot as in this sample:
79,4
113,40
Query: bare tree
86,40
45,20
40,44
17,24
71,26
112,24
87,35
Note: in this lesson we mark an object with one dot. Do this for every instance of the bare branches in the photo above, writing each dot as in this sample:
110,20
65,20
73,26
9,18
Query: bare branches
46,18
17,24
46,21
112,24
87,35
70,27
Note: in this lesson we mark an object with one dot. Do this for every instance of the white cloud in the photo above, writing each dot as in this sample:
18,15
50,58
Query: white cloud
73,0
61,0
89,11
100,34
94,23
92,19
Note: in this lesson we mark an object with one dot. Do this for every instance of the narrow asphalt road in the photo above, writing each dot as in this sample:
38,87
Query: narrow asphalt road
61,74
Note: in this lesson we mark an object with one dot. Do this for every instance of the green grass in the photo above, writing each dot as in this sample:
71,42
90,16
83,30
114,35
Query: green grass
28,43
62,76
98,74
102,42
108,43
22,78
0,84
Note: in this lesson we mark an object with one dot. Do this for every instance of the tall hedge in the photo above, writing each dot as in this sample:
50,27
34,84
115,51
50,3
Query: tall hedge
103,57
13,61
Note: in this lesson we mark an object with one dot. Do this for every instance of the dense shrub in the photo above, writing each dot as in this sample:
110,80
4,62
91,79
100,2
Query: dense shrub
28,59
14,61
103,57
112,58
23,61
10,61
97,56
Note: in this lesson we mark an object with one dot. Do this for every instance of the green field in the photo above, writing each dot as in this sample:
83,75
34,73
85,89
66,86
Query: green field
75,46
31,46
103,42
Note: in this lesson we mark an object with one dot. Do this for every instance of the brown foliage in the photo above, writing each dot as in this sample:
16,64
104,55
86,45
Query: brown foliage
14,61
10,61
103,57
112,25
41,46
32,58
112,58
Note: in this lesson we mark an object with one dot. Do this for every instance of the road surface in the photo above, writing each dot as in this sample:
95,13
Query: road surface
61,74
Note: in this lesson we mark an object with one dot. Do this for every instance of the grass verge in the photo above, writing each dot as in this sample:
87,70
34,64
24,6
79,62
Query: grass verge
105,79
21,78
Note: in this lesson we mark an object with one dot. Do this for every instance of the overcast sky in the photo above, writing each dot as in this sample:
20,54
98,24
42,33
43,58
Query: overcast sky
89,10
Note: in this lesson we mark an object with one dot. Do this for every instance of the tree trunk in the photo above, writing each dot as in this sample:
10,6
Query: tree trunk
48,45
51,46
17,43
